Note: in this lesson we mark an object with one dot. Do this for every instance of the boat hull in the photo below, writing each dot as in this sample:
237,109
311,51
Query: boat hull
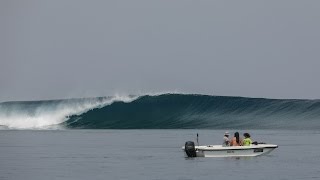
234,151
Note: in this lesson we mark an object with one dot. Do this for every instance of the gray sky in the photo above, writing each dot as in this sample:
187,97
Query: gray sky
74,48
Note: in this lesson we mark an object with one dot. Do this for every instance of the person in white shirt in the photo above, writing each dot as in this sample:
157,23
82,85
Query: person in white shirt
226,140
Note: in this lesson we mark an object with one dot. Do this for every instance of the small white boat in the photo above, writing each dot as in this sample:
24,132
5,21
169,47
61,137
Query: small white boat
227,151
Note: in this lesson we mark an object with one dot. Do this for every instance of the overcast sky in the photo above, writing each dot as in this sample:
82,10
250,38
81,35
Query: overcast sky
74,48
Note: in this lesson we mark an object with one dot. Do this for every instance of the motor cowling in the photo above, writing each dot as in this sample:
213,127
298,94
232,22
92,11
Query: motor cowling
190,149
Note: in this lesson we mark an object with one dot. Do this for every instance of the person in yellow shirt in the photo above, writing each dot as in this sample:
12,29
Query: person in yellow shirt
246,141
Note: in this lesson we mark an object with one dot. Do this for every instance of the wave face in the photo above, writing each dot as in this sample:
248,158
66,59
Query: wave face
166,111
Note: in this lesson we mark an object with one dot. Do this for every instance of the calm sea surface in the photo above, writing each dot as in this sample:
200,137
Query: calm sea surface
151,154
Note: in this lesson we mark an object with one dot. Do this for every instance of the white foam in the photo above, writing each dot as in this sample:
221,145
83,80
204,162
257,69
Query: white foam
42,117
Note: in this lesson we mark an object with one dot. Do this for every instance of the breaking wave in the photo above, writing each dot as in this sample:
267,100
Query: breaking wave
50,114
164,111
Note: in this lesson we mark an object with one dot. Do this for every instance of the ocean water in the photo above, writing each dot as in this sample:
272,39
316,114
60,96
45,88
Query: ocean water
140,137
151,154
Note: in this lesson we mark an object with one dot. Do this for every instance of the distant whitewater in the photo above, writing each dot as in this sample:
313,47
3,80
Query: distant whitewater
166,111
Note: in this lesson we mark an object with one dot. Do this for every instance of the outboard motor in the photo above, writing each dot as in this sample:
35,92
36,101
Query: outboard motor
190,149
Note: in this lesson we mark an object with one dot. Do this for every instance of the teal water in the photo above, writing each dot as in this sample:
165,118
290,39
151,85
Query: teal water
151,154
166,111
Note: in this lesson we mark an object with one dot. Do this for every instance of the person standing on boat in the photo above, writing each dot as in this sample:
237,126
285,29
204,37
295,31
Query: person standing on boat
235,141
246,141
226,140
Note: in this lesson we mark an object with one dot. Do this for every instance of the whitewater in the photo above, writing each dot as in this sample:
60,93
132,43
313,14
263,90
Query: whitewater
162,111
